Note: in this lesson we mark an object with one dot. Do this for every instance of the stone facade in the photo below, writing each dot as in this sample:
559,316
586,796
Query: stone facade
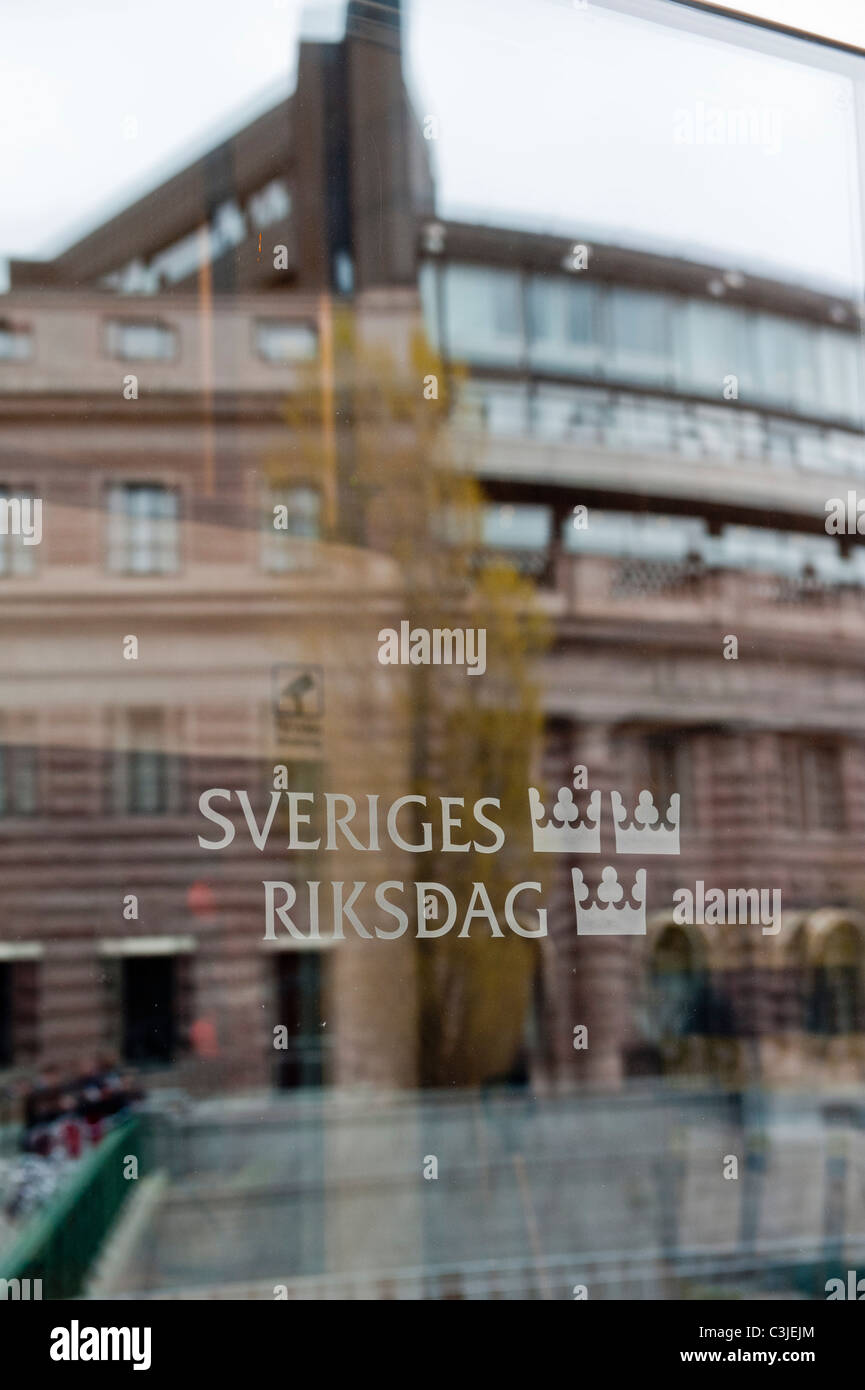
767,751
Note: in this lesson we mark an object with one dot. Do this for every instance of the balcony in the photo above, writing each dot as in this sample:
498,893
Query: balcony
592,445
687,590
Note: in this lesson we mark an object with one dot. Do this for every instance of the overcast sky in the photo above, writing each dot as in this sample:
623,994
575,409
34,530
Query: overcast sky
550,115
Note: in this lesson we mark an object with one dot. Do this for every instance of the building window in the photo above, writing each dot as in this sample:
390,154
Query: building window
149,1009
813,789
836,1000
640,336
669,769
146,778
20,530
19,1011
18,780
773,359
285,341
21,525
16,343
132,340
677,988
840,375
143,529
483,314
270,204
643,535
18,541
428,281
707,338
299,1010
563,333
289,513
836,1006
6,1048
516,526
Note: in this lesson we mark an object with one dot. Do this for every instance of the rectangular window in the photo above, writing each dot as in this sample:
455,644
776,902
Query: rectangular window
6,1045
646,535
483,315
836,1001
143,529
824,798
285,341
773,360
18,791
787,358
752,548
516,526
639,333
149,1009
299,1011
289,514
813,789
803,366
16,344
270,203
839,360
17,549
429,296
711,342
19,1011
134,340
146,778
563,331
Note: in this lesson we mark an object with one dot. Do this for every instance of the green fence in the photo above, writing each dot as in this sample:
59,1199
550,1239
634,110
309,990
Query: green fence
59,1243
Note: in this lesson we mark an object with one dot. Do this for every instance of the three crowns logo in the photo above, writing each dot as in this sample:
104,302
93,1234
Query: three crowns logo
645,835
605,918
568,833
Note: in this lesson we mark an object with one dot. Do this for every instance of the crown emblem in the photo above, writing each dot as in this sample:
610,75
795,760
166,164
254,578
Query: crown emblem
566,833
647,834
605,918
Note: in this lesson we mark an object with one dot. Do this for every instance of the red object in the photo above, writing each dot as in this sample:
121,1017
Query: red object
202,1035
71,1136
200,899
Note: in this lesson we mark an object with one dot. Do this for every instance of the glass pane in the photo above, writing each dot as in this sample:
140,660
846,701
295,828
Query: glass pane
484,317
563,327
639,342
432,748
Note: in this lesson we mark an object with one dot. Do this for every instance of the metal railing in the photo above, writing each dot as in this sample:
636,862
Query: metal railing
60,1243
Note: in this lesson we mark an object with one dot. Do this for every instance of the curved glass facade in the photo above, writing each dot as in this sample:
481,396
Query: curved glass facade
565,326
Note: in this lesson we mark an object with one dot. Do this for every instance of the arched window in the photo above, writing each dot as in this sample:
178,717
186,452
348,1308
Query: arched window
678,987
836,1004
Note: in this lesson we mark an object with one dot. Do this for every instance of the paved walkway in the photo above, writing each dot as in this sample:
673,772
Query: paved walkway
625,1194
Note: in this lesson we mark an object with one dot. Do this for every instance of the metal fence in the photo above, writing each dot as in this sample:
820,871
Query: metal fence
60,1243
